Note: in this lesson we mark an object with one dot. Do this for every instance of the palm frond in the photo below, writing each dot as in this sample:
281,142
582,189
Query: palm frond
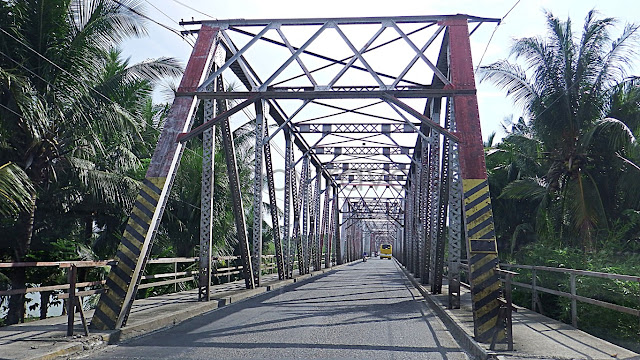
530,188
16,190
513,79
614,132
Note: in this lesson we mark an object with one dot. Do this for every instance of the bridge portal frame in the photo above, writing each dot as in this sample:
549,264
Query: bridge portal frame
446,164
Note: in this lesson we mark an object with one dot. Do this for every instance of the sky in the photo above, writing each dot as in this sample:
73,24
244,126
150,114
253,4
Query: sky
525,19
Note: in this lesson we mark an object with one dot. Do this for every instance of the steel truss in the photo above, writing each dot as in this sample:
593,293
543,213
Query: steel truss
356,128
376,187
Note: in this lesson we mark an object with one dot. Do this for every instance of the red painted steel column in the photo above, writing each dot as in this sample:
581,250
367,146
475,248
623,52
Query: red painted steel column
479,228
133,252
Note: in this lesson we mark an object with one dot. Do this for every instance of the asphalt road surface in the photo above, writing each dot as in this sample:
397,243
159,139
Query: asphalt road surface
361,311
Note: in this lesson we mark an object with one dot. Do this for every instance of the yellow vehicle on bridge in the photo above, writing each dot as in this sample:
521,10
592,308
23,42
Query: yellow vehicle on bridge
385,251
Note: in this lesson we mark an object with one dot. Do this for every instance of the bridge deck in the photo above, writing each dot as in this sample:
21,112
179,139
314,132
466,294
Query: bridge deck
364,310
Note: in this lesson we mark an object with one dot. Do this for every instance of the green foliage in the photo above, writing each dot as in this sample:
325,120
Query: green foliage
614,326
568,161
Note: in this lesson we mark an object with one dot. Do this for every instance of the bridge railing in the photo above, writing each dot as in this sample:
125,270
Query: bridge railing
572,295
183,270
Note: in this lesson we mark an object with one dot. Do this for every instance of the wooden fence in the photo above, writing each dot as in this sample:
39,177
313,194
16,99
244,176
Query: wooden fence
183,270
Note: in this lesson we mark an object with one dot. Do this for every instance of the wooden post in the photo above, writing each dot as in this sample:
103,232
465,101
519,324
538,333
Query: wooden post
175,276
507,297
71,301
84,321
574,305
534,292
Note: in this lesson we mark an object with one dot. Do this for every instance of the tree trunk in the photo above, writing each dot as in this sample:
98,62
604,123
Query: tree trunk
45,296
18,276
16,302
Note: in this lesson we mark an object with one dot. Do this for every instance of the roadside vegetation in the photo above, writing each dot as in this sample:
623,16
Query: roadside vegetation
78,127
564,180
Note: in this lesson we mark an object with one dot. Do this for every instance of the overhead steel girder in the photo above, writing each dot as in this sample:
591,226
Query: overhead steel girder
367,166
389,128
304,93
335,23
227,23
363,150
370,177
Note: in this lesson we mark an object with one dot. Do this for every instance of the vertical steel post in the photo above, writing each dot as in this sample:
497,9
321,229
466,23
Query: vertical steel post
296,197
455,221
304,184
482,250
256,255
326,236
440,194
406,225
288,174
206,204
273,206
415,251
423,226
317,251
434,199
236,198
336,225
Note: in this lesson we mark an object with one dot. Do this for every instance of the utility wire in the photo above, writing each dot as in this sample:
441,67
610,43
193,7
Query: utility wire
494,32
170,18
194,9
153,20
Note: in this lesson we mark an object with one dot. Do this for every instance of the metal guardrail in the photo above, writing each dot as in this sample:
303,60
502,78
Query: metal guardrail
572,295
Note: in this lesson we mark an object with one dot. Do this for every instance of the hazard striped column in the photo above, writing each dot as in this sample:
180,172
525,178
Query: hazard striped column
135,246
482,250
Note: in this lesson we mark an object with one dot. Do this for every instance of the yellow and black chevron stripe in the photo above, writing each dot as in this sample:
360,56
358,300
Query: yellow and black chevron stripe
110,307
483,259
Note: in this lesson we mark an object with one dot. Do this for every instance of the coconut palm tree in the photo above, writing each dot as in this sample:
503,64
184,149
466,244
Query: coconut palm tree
566,87
68,111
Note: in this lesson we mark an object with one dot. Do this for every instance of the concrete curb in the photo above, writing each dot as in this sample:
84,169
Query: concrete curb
461,336
99,340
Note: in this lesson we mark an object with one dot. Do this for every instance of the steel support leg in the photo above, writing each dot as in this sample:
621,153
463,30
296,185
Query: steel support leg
273,207
206,205
256,255
325,242
336,227
236,197
438,262
317,250
424,220
133,252
455,224
482,249
304,184
288,174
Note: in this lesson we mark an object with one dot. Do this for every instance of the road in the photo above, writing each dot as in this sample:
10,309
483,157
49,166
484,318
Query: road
361,311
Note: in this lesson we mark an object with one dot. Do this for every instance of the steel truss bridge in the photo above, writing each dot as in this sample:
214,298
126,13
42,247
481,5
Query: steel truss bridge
379,122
